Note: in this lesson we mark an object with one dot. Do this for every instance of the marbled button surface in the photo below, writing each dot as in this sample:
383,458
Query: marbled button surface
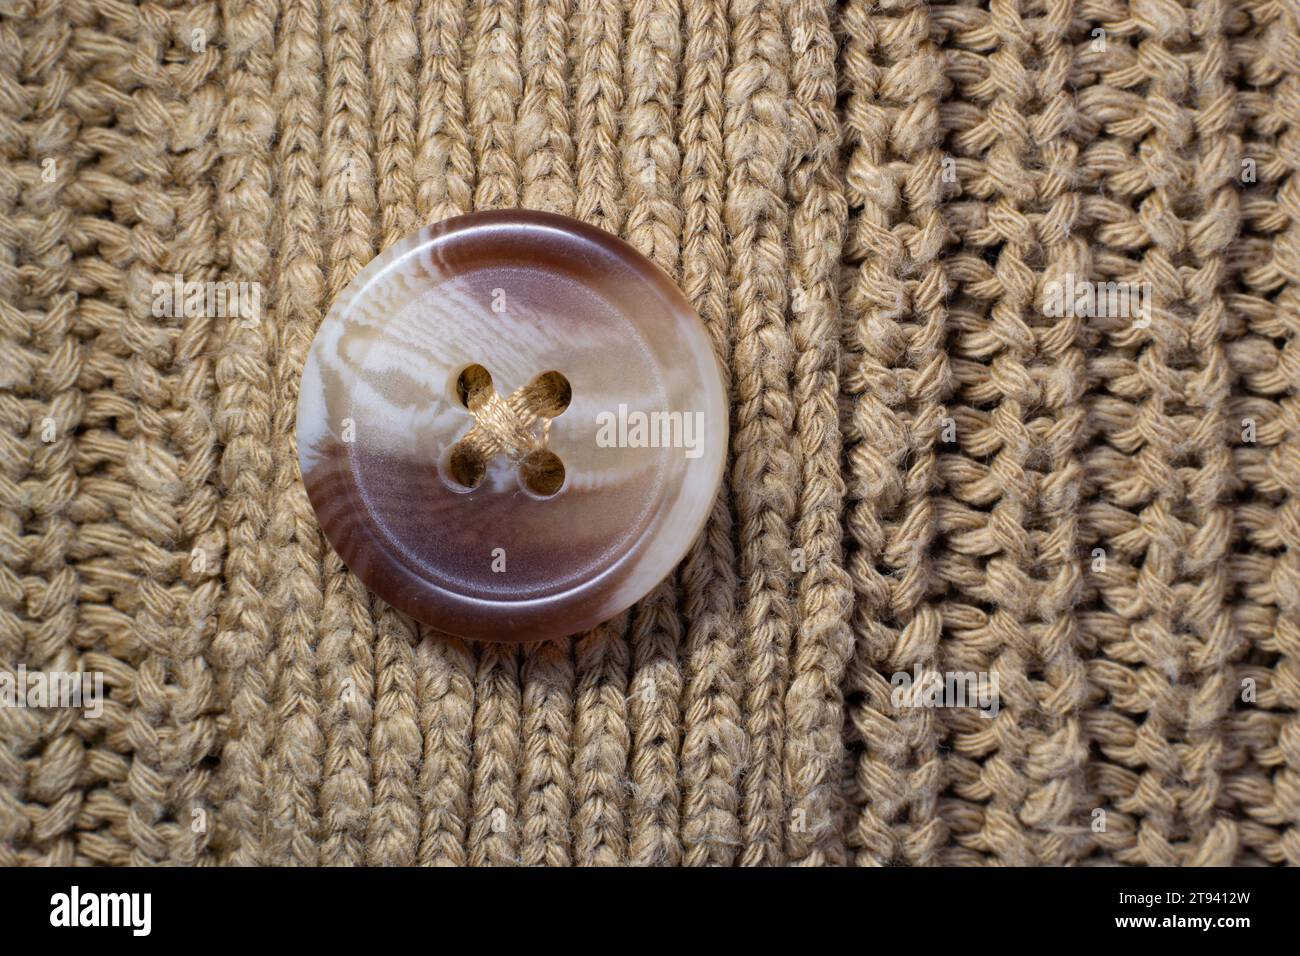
511,425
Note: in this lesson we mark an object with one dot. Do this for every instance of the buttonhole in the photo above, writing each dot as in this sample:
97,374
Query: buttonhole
473,386
463,467
541,473
549,394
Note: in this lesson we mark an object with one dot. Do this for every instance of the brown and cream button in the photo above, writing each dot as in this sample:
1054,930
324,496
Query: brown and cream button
511,425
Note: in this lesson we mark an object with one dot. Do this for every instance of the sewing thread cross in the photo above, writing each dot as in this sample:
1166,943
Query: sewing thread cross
508,425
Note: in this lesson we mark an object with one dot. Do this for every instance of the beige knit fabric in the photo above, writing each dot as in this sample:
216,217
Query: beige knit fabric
866,202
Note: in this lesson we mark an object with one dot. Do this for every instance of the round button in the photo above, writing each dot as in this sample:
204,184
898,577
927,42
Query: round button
511,425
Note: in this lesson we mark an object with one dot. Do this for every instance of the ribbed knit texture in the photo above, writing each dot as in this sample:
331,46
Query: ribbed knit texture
864,201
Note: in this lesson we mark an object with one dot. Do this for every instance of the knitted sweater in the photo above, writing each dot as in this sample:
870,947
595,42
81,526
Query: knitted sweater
1007,297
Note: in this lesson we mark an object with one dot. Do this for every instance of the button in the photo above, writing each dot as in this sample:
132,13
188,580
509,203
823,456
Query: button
511,426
